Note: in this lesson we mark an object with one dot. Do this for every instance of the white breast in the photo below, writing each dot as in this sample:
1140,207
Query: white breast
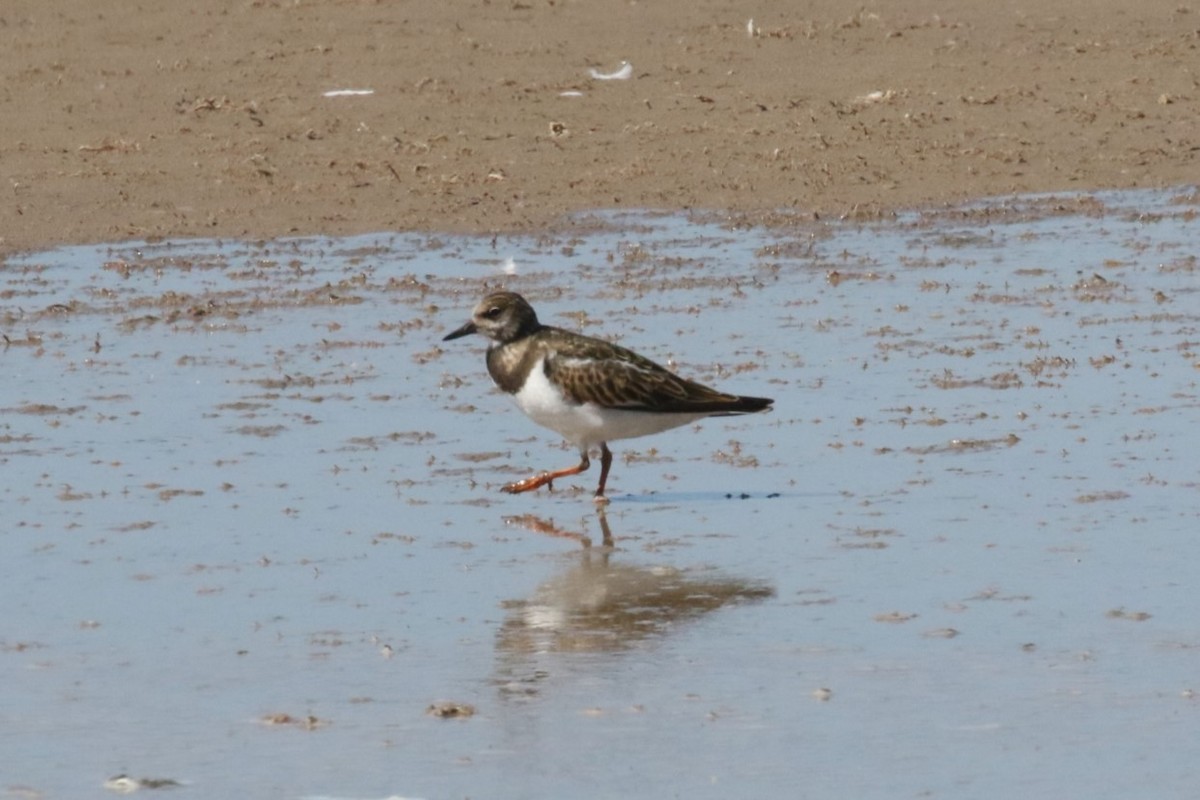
588,424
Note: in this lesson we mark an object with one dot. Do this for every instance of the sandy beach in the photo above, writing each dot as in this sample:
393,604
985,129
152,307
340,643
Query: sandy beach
213,119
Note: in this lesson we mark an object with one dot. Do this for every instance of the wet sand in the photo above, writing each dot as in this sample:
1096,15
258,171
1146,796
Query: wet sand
209,118
256,544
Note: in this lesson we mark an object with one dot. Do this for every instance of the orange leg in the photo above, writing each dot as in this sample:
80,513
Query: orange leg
547,478
605,463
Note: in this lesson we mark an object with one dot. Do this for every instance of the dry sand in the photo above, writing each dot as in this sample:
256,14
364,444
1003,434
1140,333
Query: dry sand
207,118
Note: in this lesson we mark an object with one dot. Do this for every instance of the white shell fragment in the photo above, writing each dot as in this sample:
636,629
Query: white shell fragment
624,73
347,92
874,97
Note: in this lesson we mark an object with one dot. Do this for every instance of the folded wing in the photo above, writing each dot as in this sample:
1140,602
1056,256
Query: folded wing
622,379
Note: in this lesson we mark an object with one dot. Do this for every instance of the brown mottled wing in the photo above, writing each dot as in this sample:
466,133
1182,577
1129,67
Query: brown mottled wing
593,371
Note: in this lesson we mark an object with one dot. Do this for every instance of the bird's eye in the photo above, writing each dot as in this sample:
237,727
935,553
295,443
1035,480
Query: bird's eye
492,312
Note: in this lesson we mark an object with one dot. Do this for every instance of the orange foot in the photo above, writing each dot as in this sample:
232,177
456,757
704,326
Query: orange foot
530,483
544,478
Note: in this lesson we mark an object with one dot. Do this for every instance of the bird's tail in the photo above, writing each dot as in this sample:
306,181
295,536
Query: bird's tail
745,405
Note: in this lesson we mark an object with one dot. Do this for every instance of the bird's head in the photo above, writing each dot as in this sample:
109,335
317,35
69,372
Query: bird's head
501,316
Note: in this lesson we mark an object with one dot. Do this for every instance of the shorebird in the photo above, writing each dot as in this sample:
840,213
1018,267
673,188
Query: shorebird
589,391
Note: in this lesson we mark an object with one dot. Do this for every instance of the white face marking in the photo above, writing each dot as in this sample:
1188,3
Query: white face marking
588,425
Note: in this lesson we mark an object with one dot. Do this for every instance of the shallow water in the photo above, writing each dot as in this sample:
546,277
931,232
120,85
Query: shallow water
252,531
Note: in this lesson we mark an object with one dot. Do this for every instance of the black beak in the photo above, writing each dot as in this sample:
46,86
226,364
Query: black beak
465,330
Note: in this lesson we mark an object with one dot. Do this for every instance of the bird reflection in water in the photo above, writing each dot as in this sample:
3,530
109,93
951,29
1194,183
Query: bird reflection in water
601,606
546,526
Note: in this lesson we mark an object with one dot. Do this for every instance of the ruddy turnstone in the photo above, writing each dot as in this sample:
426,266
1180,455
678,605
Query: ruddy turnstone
587,390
